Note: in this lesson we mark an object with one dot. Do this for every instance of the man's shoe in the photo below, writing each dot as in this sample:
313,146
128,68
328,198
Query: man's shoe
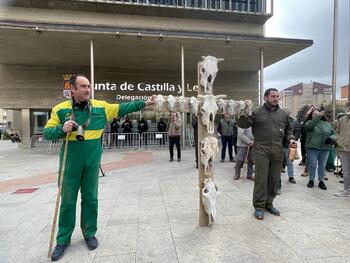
91,242
341,181
179,159
278,192
222,160
292,180
232,160
251,178
343,193
273,211
58,252
322,185
171,160
283,170
259,214
310,184
325,178
236,177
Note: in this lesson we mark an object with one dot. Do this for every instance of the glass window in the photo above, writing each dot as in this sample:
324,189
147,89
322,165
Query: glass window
38,121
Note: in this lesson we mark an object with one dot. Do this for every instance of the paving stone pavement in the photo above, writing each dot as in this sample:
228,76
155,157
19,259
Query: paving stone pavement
148,212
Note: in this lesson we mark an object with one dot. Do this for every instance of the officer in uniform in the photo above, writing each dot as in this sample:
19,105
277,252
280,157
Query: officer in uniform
83,156
270,125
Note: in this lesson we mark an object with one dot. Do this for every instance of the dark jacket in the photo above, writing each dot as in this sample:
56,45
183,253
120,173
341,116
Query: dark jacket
142,126
126,126
269,128
296,128
317,131
161,126
114,126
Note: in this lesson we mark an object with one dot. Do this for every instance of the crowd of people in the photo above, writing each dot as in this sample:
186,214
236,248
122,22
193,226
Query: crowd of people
265,139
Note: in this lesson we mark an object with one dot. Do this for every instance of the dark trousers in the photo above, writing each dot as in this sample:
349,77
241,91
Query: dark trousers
174,140
226,140
114,139
268,166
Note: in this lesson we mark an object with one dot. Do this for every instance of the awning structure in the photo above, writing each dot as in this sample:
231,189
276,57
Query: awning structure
25,43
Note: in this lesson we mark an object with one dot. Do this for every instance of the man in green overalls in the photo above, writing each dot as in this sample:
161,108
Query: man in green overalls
83,156
270,125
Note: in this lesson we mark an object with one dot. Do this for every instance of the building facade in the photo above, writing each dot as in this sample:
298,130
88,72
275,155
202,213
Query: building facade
130,49
299,95
344,94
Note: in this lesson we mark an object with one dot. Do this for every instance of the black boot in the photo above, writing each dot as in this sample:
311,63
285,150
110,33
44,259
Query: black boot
322,185
310,184
58,252
91,242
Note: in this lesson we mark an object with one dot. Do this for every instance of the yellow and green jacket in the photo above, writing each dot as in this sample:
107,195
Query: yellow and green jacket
101,112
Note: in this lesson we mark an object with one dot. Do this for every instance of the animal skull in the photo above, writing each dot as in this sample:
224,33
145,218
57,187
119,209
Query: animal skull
231,105
208,68
248,107
194,105
221,104
210,193
209,149
209,109
240,106
171,102
159,102
181,104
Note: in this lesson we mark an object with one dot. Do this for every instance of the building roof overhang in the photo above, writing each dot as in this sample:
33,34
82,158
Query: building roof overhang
136,49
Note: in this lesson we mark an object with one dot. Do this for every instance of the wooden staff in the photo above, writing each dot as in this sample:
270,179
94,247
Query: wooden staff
245,163
58,198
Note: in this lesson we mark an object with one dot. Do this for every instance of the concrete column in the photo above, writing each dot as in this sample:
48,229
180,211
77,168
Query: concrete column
261,86
25,131
183,94
92,71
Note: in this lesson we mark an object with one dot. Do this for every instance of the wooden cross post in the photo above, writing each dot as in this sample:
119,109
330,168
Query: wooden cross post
202,133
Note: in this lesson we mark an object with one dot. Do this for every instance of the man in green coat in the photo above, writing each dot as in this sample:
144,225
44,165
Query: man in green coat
270,125
83,156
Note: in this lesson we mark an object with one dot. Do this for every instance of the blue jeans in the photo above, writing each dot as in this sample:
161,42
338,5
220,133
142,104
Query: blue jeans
290,169
226,140
317,159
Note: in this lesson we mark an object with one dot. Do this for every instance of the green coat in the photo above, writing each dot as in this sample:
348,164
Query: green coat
225,128
317,131
269,127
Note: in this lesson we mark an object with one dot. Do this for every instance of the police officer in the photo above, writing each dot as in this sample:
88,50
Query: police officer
270,125
161,127
83,156
127,126
142,127
114,131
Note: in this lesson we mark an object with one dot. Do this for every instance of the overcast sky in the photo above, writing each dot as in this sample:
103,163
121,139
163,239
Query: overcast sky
309,19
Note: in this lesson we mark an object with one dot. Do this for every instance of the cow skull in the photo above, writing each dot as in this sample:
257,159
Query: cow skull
159,102
248,107
194,105
239,109
210,193
209,149
221,104
171,103
181,104
209,109
208,68
231,105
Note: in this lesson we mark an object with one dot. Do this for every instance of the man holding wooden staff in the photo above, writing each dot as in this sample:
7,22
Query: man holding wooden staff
270,125
81,121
